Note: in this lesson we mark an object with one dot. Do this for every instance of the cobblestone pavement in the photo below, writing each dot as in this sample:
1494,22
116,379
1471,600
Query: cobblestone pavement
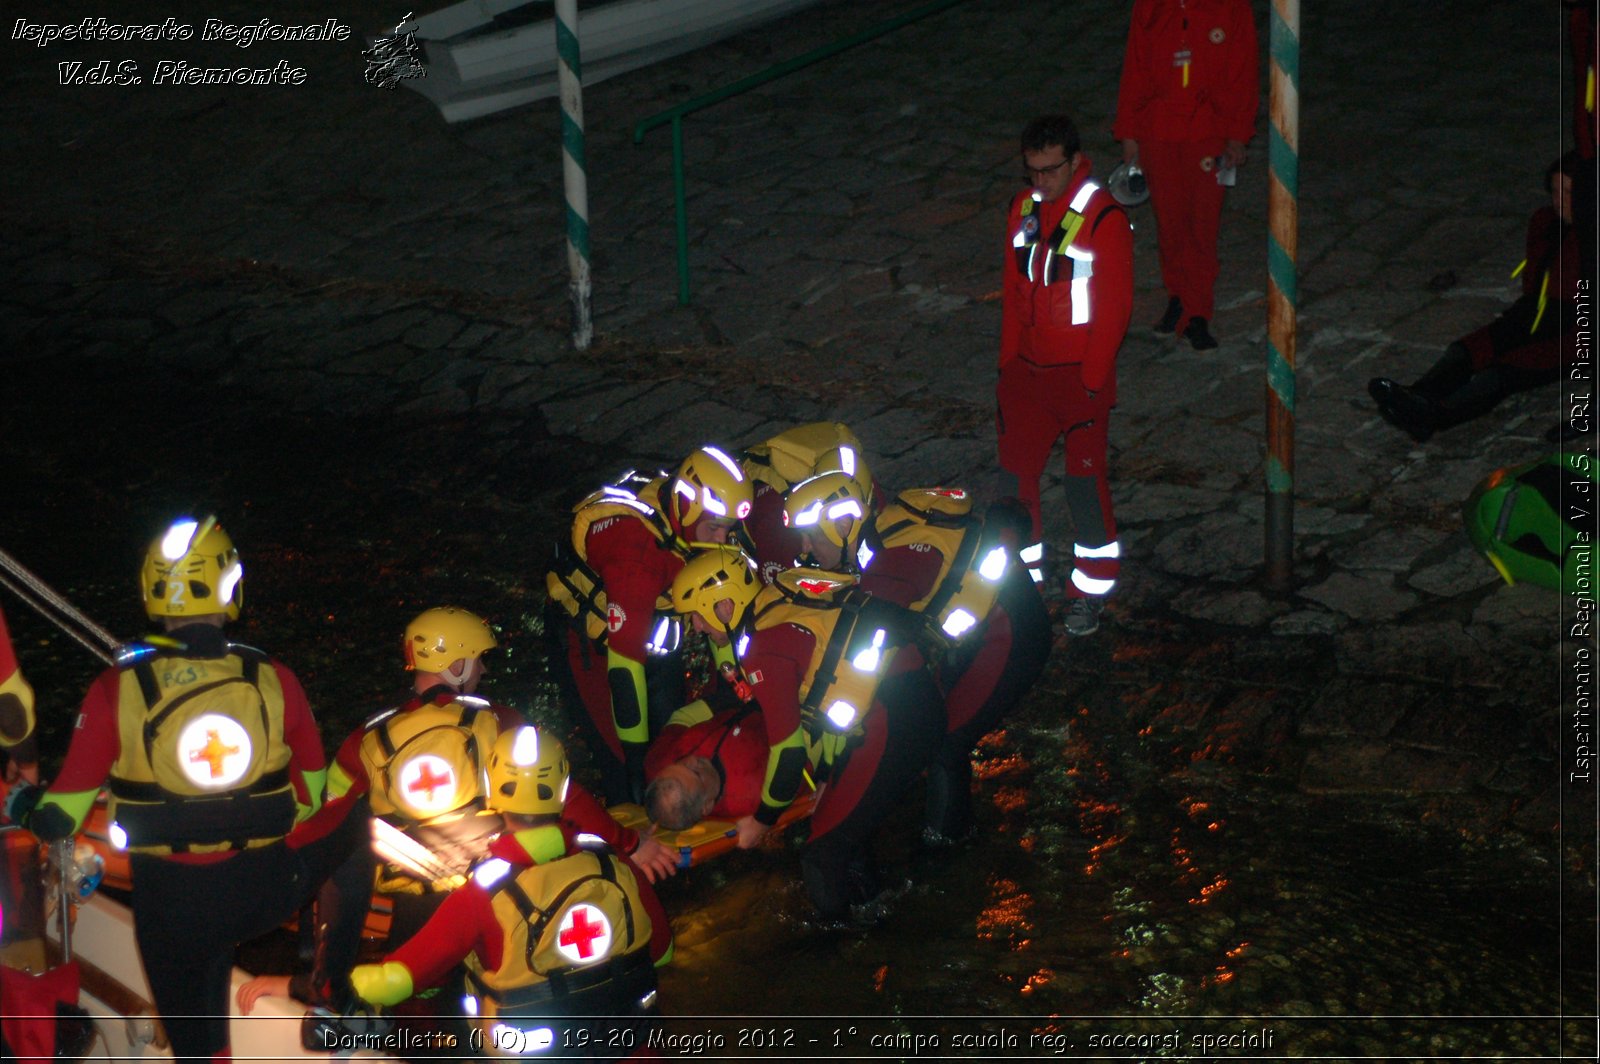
335,248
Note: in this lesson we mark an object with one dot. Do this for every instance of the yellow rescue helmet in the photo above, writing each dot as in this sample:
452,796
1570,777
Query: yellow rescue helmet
527,772
711,575
444,635
819,502
192,570
708,484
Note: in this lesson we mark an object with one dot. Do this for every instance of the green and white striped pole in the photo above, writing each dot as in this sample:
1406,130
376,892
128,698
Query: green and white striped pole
574,175
1283,221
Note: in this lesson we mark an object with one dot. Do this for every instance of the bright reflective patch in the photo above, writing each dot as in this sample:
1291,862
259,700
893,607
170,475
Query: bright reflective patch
214,751
491,872
993,566
958,623
428,784
175,544
867,660
585,934
842,713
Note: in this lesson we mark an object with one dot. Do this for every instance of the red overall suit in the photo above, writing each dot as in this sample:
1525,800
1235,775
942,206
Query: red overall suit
735,741
984,676
1064,312
1190,83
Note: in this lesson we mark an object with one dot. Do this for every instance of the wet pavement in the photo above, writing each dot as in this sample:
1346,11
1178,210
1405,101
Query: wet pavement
341,322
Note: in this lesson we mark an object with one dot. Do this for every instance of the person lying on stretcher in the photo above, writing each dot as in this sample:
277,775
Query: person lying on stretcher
706,765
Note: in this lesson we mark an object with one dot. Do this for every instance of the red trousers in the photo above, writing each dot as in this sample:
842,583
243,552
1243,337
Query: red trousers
1188,206
1037,405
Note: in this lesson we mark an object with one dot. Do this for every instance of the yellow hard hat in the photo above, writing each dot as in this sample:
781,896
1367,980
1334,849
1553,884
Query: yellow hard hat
528,773
708,482
443,635
711,575
818,503
192,570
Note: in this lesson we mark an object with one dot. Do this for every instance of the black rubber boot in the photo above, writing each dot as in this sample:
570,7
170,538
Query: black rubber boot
1452,371
1481,392
1169,317
948,816
825,870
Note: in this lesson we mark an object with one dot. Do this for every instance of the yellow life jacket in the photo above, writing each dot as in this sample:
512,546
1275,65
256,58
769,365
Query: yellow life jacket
791,456
974,562
575,942
855,637
570,581
425,769
202,764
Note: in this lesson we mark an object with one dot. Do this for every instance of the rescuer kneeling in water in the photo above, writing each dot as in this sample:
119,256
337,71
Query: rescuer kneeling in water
839,684
214,770
560,940
929,552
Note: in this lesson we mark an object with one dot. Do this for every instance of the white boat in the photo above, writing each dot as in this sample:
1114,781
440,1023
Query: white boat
113,989
474,69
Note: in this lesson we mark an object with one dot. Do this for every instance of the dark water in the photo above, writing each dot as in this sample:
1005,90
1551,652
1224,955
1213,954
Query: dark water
1126,895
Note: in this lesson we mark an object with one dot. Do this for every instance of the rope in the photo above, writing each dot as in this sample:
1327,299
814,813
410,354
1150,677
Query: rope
36,593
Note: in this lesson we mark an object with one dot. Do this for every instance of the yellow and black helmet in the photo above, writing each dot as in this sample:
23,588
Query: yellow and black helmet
527,773
818,503
192,570
708,483
443,635
711,575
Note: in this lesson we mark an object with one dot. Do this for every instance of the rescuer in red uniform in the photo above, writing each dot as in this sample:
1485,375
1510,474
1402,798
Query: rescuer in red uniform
421,765
929,552
841,687
1185,111
214,772
561,940
1528,345
1067,298
627,542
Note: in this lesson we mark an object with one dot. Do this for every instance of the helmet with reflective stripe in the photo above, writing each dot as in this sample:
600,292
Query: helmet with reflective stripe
446,634
708,484
709,577
847,459
818,503
192,570
527,772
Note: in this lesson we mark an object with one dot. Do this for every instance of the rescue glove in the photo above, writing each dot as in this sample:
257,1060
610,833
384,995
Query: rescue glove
21,801
388,983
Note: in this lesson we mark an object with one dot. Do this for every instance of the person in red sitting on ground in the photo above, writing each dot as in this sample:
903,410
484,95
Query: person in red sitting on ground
560,941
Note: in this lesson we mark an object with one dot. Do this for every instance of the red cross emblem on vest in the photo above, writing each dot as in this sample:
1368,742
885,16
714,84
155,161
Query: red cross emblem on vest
580,929
425,780
616,617
215,752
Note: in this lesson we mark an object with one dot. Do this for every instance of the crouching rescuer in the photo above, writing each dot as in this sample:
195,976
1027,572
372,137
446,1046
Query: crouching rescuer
561,940
841,686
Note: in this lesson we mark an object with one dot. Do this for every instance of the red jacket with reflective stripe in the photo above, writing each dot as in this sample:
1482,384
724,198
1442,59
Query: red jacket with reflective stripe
1036,317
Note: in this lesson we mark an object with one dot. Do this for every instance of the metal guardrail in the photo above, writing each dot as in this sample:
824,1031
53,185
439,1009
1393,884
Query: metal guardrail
675,115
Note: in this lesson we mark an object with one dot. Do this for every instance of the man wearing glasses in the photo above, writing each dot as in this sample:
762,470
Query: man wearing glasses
1067,298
